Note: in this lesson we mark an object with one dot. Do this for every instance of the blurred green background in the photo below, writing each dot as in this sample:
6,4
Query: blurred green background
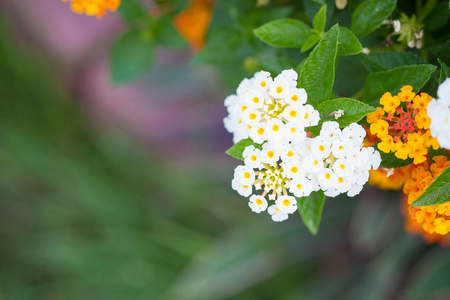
93,208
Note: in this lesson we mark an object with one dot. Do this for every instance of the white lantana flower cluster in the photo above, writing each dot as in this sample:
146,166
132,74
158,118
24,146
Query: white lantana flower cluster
438,111
289,164
334,162
267,109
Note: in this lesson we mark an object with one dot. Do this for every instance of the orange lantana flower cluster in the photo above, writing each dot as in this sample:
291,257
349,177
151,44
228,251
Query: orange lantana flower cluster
94,7
193,22
403,125
433,218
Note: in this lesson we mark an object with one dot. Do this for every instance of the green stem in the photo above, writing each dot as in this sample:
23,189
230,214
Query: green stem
359,94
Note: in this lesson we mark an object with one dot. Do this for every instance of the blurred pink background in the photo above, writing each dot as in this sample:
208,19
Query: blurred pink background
176,109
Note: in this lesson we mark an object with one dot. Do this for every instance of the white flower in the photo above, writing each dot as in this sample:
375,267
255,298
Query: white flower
332,193
330,130
244,174
294,133
286,204
291,76
311,116
438,111
288,153
258,133
443,91
293,169
279,88
296,96
365,51
313,164
354,190
277,214
275,130
341,147
262,80
242,189
343,167
252,157
301,187
245,85
293,113
269,155
321,147
252,116
343,184
257,203
327,179
397,25
255,99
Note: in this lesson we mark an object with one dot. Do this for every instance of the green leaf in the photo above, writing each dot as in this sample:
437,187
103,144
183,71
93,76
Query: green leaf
386,60
131,56
348,43
445,71
317,75
131,10
310,208
320,19
389,160
222,46
312,39
437,18
393,80
370,14
237,149
354,110
437,193
167,35
285,33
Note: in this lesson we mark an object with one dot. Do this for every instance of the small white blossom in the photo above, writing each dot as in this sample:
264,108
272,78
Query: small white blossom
438,111
397,25
365,51
277,214
257,203
286,204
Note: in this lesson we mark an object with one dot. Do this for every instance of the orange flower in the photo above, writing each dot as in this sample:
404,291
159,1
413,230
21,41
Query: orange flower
433,219
405,129
193,22
395,181
94,7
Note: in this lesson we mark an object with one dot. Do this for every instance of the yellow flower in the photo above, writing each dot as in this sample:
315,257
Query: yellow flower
387,144
421,101
419,154
375,116
430,141
402,150
94,7
380,128
406,94
389,103
422,120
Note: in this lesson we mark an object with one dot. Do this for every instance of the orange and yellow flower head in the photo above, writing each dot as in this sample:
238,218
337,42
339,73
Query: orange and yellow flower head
402,125
94,7
430,220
